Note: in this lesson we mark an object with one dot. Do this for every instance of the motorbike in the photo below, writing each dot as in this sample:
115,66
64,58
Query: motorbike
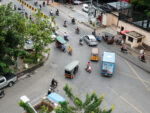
2,94
57,13
77,31
66,38
142,59
123,50
53,86
65,25
73,21
51,13
81,41
88,69
70,52
98,38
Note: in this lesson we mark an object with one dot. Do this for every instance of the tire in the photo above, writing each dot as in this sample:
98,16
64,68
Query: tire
10,84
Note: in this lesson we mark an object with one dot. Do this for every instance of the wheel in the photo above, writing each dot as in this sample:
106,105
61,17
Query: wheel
10,84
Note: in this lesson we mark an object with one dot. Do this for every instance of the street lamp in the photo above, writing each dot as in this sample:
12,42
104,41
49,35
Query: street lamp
25,99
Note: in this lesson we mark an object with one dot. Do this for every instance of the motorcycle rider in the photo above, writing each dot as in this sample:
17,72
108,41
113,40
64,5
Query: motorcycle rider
70,49
81,41
65,36
143,57
94,32
51,12
53,83
73,20
65,23
88,68
77,30
124,49
57,12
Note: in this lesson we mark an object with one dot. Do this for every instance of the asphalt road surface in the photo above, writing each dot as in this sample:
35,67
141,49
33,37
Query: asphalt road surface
128,88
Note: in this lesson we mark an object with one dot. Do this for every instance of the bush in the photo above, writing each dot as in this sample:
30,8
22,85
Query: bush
28,60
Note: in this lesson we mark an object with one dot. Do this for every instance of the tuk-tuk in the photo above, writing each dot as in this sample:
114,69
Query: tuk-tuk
60,43
71,69
109,38
108,64
94,54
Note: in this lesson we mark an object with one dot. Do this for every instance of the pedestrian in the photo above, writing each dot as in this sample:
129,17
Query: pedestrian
40,6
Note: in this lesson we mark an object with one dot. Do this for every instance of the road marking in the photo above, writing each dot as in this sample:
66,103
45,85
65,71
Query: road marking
138,77
133,106
126,101
129,75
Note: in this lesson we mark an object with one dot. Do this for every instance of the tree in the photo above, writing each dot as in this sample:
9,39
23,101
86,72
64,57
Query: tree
39,30
90,105
143,7
12,29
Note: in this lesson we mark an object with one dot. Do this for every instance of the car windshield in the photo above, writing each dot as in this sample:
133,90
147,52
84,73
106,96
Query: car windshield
67,72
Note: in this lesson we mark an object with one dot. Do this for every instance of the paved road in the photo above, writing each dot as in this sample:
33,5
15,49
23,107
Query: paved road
128,89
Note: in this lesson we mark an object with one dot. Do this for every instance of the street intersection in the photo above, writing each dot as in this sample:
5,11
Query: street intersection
128,88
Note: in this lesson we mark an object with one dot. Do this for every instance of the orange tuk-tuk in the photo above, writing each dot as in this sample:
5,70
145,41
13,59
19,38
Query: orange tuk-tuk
94,54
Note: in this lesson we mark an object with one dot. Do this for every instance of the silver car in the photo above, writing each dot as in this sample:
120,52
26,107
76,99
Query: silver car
90,40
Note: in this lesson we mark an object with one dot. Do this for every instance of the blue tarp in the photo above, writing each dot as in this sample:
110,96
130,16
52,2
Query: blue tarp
109,57
56,97
60,39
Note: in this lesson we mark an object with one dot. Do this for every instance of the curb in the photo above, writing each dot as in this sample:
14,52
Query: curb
20,74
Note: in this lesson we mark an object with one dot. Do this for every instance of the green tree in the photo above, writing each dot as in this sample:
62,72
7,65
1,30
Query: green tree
142,6
39,30
90,105
12,29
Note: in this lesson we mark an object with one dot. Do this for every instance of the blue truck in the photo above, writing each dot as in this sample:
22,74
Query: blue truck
108,64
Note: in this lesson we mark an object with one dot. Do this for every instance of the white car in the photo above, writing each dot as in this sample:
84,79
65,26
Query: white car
85,7
77,2
90,40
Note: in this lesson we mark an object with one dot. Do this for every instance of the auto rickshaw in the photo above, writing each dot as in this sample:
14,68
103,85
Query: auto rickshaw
71,69
94,54
60,43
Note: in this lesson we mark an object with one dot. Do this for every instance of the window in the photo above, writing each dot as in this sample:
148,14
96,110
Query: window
139,40
130,39
2,80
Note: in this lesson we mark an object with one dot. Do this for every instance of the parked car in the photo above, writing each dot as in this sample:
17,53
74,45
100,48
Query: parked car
77,2
90,40
28,45
85,8
7,80
109,38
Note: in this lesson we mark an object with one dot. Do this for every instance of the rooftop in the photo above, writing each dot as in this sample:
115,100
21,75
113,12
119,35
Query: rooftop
134,34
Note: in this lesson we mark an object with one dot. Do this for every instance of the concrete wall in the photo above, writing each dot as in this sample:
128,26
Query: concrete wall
110,19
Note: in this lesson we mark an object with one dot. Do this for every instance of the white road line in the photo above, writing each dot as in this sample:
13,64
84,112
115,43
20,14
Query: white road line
138,76
125,100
